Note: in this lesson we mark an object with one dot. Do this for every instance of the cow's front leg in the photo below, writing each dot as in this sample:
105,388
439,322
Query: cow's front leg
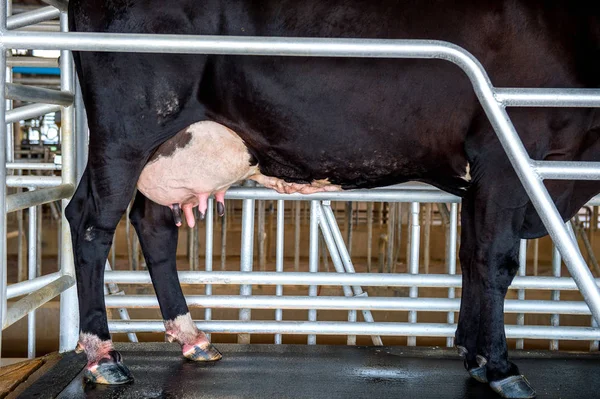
494,263
158,237
93,213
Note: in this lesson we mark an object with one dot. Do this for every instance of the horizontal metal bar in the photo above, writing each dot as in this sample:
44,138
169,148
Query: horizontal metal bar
33,181
36,299
346,303
357,328
25,61
563,170
383,195
32,17
338,279
30,111
37,94
518,97
33,166
16,202
28,286
62,5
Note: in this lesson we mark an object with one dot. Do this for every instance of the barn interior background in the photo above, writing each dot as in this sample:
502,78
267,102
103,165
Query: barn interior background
415,236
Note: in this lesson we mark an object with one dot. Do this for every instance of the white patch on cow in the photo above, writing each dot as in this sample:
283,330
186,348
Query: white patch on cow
94,348
89,234
169,104
182,329
467,176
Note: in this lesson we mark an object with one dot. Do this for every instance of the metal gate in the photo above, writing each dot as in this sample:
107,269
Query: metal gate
37,291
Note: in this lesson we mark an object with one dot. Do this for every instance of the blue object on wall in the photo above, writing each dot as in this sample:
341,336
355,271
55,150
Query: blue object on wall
37,71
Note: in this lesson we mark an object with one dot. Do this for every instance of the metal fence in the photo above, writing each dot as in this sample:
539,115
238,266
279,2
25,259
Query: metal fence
44,189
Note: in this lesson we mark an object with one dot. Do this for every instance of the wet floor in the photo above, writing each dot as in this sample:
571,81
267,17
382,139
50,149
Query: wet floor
319,372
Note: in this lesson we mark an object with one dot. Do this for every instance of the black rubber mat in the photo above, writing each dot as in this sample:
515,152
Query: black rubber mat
329,372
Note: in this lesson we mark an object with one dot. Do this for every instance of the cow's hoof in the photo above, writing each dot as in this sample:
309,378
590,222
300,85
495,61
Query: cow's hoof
479,374
515,386
111,371
202,352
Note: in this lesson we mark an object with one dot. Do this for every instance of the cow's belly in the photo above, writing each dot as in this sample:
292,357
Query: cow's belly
206,159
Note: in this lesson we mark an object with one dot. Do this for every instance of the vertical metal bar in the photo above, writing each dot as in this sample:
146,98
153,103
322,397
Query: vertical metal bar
451,244
20,240
427,238
415,232
594,345
38,262
196,249
69,313
324,254
208,254
297,210
555,296
536,256
313,260
32,258
224,240
81,131
246,259
398,250
3,140
391,228
279,259
262,257
521,293
349,226
369,236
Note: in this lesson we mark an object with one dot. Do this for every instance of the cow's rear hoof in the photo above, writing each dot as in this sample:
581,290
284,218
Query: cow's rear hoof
479,374
202,352
111,371
515,386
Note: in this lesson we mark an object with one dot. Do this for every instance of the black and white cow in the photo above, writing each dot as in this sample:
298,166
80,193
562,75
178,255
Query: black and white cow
312,124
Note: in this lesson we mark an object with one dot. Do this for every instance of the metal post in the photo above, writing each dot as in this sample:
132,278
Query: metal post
297,211
399,215
536,256
262,236
69,312
313,261
521,293
427,238
555,296
413,266
279,259
208,254
349,226
246,259
451,234
224,219
369,236
32,258
391,228
3,147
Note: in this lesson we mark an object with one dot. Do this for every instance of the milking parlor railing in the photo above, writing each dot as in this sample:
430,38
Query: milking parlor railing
37,291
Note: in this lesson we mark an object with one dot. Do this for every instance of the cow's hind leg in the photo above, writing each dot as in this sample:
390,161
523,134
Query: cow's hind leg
93,213
468,323
494,246
158,233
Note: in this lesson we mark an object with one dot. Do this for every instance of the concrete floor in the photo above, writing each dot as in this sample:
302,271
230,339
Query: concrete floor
315,372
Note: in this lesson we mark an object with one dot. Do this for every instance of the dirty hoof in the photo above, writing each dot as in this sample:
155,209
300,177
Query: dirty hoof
110,371
202,352
515,386
478,374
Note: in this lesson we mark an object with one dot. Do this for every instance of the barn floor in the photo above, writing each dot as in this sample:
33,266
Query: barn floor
313,372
